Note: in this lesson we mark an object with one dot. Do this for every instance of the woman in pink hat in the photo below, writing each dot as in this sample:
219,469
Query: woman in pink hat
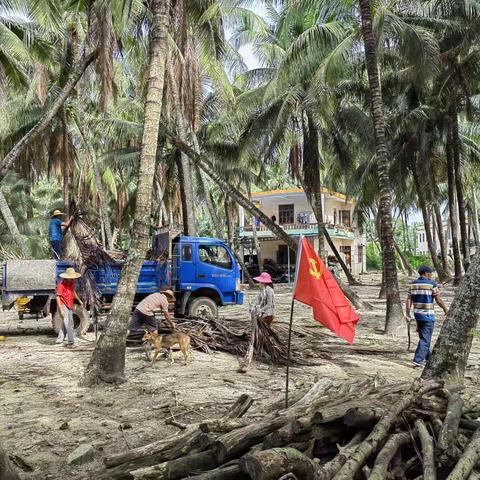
266,299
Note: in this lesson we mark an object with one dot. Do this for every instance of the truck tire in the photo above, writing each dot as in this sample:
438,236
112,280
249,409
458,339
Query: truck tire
81,320
202,307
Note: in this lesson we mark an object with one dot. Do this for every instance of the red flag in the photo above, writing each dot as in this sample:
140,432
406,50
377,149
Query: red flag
317,287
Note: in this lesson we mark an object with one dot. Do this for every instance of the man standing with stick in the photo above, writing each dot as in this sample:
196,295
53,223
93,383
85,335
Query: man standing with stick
421,295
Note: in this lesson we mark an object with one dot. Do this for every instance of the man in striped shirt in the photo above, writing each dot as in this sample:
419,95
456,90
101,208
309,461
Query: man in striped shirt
143,317
421,294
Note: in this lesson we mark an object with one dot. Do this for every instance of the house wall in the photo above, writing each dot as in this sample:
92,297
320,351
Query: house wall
332,206
270,248
422,245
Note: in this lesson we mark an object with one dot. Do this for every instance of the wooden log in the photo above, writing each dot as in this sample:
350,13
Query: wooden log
446,439
302,424
381,430
272,464
394,443
469,424
154,452
247,360
223,426
225,472
468,460
240,407
283,436
428,452
6,470
178,468
327,471
232,444
361,416
151,449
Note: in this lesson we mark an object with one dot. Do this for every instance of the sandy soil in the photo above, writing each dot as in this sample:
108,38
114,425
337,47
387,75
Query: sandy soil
45,415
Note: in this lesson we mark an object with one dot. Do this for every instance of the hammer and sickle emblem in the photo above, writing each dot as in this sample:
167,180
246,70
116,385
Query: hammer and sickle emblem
313,270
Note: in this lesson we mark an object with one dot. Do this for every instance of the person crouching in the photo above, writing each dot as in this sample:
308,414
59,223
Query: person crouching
143,317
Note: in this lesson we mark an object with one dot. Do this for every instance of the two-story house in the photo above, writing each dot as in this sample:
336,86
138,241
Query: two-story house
291,210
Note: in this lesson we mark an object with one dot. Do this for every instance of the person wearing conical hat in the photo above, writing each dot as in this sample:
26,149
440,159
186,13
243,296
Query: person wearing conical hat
66,296
143,317
56,230
266,299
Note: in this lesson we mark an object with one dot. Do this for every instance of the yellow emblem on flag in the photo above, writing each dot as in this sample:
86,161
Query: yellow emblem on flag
313,270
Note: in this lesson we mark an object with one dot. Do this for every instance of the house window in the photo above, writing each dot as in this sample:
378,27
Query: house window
334,216
345,217
286,214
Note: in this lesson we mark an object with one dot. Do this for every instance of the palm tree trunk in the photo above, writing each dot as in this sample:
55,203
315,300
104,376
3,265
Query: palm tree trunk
439,220
66,162
406,265
406,237
13,155
395,324
12,225
237,196
351,280
312,184
183,195
474,217
450,354
107,363
92,159
464,241
452,208
183,163
229,206
426,223
202,183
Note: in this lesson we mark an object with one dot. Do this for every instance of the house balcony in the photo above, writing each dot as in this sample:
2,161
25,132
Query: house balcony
298,229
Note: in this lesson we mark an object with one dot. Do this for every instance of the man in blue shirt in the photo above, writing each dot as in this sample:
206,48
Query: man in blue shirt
421,295
56,230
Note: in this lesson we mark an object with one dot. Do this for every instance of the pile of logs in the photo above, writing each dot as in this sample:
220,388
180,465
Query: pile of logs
352,430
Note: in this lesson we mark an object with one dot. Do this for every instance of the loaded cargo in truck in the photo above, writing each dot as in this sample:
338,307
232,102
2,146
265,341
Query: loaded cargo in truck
202,271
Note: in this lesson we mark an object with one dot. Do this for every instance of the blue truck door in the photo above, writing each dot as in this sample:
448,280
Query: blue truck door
216,266
187,266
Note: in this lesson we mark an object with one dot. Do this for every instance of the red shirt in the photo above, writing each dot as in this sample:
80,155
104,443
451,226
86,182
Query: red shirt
66,290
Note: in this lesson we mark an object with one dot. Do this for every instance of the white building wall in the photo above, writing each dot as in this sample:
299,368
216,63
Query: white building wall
332,207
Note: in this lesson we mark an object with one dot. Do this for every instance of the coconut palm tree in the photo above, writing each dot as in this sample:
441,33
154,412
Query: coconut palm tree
107,363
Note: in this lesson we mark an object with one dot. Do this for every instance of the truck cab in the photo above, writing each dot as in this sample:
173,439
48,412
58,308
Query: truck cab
205,275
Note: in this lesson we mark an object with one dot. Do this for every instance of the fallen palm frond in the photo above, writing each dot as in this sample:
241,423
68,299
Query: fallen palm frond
83,249
215,334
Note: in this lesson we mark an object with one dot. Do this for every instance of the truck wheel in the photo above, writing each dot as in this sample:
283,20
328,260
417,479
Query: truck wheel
81,320
202,307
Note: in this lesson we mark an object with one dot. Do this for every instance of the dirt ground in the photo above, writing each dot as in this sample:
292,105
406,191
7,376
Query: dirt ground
45,415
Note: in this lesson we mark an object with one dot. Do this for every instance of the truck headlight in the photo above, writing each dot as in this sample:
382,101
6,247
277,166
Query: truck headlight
238,285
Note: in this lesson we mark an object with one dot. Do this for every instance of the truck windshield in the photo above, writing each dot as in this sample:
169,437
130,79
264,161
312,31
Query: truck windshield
215,255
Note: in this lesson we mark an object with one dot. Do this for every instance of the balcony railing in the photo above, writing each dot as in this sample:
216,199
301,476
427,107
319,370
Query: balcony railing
300,226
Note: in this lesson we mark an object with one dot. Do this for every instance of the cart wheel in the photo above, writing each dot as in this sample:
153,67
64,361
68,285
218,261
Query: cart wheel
81,320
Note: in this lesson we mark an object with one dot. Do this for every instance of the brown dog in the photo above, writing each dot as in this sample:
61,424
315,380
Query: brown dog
168,341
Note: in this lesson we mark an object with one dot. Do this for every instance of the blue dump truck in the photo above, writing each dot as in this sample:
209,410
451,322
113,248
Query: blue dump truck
202,271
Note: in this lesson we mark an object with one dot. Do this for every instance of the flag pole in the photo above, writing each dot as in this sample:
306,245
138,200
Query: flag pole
287,381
